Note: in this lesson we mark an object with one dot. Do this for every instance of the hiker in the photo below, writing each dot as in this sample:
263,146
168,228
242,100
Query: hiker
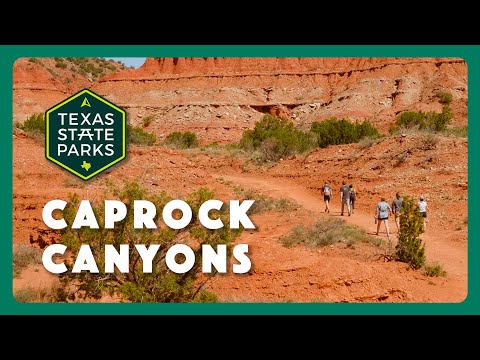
327,194
345,197
396,207
422,206
382,212
353,195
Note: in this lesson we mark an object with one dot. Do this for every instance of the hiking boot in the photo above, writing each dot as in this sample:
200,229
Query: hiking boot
349,214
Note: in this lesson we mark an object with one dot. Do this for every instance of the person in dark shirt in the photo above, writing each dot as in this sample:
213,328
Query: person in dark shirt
345,197
396,207
353,197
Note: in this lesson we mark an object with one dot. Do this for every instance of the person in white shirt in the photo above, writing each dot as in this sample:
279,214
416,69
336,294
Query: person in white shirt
422,206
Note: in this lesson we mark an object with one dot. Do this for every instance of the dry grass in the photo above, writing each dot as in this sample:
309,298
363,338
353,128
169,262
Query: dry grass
23,256
327,232
37,295
434,270
367,142
265,203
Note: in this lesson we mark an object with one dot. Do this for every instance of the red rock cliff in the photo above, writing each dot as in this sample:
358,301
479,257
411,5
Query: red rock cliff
221,97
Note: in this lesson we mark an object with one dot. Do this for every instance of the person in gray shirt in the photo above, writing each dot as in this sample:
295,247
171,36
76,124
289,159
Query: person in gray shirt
345,197
396,207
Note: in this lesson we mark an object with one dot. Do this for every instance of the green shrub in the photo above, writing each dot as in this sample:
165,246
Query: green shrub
147,120
434,270
139,136
444,97
34,124
35,61
439,121
410,248
182,140
161,285
327,232
335,132
23,256
53,72
61,65
410,119
423,121
274,139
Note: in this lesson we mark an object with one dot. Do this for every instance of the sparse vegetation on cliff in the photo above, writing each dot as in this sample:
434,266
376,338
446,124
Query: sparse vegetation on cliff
182,140
136,135
93,68
335,132
426,121
444,97
35,61
273,139
35,125
60,63
147,120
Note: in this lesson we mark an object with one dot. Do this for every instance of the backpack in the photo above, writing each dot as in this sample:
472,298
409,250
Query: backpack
326,190
352,194
382,208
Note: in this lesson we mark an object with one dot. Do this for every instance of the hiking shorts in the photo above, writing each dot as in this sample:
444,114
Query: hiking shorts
379,218
326,197
424,214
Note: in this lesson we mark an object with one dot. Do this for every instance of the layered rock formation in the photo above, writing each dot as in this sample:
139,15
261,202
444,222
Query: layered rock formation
218,98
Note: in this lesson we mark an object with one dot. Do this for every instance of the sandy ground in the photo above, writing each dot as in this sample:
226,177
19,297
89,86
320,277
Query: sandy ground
337,273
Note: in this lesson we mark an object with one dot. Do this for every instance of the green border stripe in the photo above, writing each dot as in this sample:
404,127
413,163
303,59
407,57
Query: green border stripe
10,53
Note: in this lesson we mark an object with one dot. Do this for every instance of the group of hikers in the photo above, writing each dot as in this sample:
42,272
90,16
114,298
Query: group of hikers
383,210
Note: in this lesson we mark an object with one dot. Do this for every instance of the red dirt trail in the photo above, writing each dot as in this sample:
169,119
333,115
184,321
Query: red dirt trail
452,256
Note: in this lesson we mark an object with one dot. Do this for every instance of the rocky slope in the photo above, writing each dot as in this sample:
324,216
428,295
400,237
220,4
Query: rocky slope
39,83
218,98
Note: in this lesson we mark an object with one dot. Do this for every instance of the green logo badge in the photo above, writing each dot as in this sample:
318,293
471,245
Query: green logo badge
85,134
